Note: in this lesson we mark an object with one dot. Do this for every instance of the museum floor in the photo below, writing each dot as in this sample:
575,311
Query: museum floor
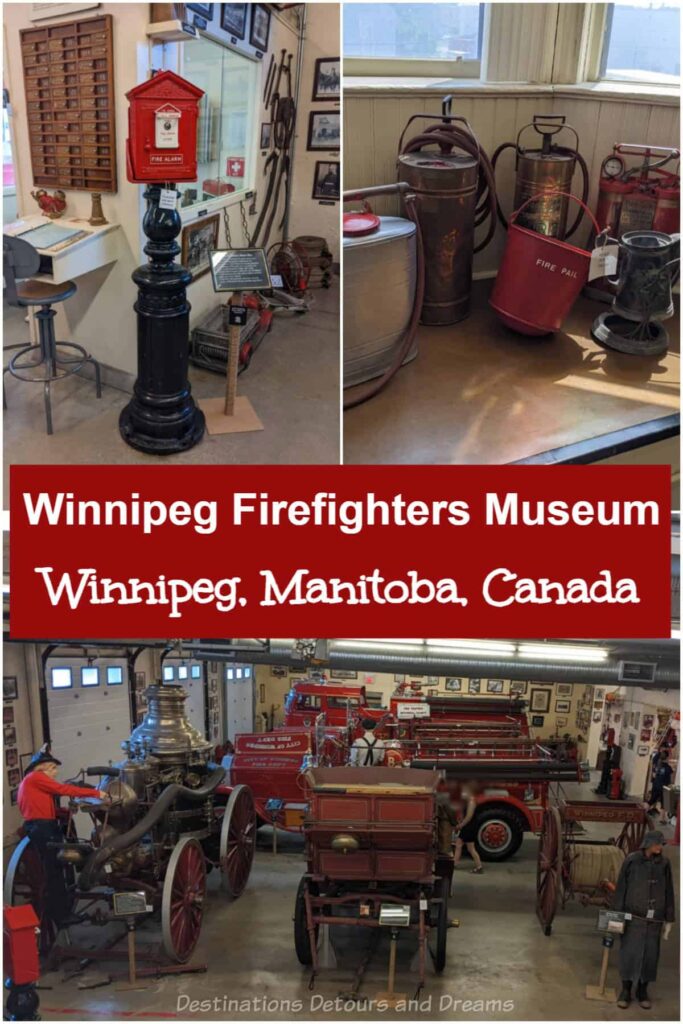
293,384
498,952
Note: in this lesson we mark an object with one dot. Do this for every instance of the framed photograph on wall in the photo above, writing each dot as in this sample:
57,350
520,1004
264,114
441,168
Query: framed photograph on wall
562,707
494,685
234,19
327,79
140,680
564,689
648,721
9,735
561,722
326,180
645,735
474,686
7,714
199,238
643,751
537,721
11,757
260,26
13,777
399,679
10,688
454,685
266,134
324,130
203,10
540,701
518,687
631,740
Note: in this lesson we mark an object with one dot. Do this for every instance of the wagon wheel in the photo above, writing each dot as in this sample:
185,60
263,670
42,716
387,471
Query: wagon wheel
549,869
631,836
26,882
238,837
439,929
302,940
182,900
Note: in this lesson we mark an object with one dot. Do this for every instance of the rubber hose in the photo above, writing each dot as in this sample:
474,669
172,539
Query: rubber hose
448,136
120,842
584,194
100,769
374,387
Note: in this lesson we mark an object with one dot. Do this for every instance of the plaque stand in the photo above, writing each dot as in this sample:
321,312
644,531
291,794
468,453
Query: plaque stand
162,417
233,413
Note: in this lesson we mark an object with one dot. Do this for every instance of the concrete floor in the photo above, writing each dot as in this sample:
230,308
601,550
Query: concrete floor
293,384
497,953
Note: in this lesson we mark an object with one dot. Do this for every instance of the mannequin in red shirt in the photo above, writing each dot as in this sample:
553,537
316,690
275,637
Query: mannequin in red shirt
37,800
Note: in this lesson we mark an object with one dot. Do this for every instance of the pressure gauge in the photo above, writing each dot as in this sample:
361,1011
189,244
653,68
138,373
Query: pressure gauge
613,166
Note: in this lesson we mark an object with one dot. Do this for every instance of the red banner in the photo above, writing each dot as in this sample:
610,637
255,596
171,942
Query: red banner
340,551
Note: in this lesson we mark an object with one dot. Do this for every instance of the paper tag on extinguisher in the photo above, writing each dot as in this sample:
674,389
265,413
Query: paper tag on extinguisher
603,262
167,199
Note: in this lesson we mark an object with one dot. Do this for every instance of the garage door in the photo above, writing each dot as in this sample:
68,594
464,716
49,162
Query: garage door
239,700
190,675
88,709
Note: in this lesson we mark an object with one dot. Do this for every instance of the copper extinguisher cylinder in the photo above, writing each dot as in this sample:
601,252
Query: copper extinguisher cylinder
445,186
538,172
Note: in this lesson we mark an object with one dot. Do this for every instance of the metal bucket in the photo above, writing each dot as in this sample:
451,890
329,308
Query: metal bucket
379,292
539,279
446,189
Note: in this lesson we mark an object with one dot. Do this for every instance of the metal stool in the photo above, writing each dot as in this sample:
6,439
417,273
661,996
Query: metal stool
20,262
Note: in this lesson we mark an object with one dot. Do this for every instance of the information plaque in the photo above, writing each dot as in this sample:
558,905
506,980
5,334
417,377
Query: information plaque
239,270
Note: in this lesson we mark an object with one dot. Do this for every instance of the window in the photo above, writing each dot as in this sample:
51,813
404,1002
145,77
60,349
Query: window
227,122
642,42
342,702
308,700
114,675
169,674
182,671
417,39
196,671
90,676
61,678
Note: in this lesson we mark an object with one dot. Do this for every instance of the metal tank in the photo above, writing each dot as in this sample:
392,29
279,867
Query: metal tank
165,732
547,169
455,193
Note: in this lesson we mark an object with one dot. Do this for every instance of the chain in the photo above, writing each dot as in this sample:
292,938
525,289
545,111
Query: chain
245,224
226,222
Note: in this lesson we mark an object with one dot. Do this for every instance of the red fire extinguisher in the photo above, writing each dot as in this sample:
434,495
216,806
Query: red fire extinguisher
615,784
640,197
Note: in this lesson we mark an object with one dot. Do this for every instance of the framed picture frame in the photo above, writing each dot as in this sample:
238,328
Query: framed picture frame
453,685
399,679
10,688
198,240
266,134
597,716
203,10
260,27
648,721
9,734
561,723
343,673
7,714
327,79
537,721
326,180
324,131
11,757
494,685
540,701
564,689
13,777
474,686
140,680
631,740
262,693
562,707
643,751
645,735
234,19
518,687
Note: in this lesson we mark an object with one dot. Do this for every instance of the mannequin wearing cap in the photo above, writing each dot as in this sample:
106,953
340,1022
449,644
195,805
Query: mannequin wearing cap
36,801
645,889
612,760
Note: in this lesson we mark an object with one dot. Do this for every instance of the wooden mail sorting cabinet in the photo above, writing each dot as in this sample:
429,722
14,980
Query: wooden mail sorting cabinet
69,82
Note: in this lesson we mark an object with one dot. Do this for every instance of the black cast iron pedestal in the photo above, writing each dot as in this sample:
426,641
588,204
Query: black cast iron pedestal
162,417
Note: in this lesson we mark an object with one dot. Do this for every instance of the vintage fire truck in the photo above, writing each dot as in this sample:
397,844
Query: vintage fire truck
483,738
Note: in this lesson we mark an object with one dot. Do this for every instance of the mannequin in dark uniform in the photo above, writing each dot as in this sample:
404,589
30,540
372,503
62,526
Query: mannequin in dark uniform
36,801
645,889
612,760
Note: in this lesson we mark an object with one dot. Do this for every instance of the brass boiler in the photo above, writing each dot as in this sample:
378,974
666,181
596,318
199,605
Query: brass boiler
448,187
548,169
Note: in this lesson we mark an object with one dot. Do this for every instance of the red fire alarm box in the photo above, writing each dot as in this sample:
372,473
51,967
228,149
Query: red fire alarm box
162,130
20,944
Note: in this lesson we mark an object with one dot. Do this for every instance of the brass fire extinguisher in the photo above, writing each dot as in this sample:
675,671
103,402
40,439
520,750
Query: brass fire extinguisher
548,169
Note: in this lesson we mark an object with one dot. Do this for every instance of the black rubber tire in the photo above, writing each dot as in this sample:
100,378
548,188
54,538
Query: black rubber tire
302,943
440,929
514,822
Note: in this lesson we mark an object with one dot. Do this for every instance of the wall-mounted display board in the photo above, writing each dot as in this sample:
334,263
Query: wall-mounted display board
69,82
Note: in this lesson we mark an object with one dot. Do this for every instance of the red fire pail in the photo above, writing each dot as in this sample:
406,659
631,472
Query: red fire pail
540,277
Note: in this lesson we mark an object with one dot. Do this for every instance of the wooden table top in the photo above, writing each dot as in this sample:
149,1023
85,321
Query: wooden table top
479,393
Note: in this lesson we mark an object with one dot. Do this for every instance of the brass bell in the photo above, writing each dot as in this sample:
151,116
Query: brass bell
344,843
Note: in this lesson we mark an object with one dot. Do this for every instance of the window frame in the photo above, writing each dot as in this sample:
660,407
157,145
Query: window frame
417,67
645,78
118,668
61,668
90,668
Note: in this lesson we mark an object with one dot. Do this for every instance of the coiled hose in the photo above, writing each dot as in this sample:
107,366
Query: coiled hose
375,386
88,875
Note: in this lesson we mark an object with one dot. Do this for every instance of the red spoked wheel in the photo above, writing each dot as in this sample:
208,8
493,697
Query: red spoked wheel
26,882
549,869
238,838
631,836
289,260
182,900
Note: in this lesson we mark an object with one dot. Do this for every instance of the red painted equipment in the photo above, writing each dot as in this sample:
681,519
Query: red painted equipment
644,197
539,279
162,130
20,962
615,784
